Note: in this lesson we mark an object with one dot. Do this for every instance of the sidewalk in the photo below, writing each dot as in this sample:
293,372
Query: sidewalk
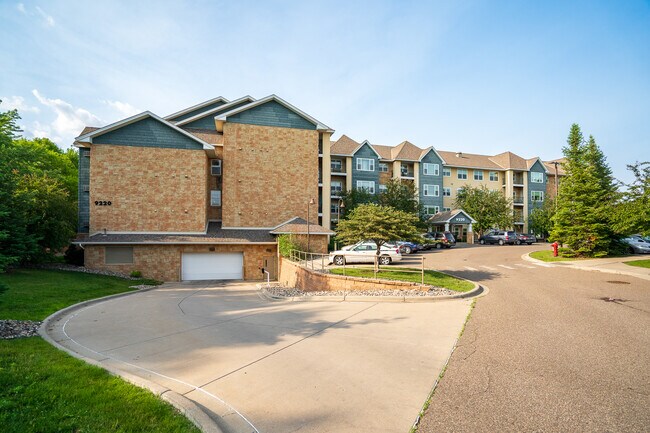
614,265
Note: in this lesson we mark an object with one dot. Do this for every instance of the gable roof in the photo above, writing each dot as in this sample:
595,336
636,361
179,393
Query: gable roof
406,151
431,149
383,151
211,111
367,143
88,136
550,166
319,125
196,107
210,136
447,216
343,146
530,162
469,160
299,226
510,161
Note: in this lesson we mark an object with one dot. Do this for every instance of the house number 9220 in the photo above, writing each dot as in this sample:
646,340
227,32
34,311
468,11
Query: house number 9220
102,203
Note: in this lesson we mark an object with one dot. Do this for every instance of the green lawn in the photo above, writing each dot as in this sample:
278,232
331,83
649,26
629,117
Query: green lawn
34,294
547,256
42,389
432,278
639,263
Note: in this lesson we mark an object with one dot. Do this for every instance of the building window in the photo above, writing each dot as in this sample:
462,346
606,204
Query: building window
536,177
366,185
365,164
336,187
431,210
458,190
446,171
478,174
431,190
446,192
446,209
334,208
431,169
383,167
118,255
215,197
382,188
494,176
537,196
215,167
336,165
462,173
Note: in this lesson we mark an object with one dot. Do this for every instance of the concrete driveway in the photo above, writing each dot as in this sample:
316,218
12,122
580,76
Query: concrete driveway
275,366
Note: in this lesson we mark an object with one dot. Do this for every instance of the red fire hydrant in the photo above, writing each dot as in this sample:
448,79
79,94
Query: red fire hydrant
554,245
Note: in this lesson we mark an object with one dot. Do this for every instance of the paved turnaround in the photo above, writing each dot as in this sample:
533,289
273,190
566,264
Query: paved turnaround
274,366
549,349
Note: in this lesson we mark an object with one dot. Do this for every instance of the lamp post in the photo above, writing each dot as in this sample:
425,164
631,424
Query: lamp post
311,202
338,218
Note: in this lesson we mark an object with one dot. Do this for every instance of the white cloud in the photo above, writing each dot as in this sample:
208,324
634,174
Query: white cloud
123,108
68,123
21,8
48,20
17,103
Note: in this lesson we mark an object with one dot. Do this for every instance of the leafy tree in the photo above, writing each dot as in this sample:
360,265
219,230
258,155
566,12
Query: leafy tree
401,196
353,198
540,220
489,208
380,224
8,126
632,214
587,194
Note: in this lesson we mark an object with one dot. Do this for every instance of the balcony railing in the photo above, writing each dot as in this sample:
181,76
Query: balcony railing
518,200
407,173
518,180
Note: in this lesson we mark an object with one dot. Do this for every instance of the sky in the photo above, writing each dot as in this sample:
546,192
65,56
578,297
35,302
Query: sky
473,76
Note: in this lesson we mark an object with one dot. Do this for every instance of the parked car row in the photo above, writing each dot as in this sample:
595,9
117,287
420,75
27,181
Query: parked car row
366,251
637,244
503,237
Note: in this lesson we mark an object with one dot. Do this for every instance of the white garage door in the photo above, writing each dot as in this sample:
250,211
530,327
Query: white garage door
212,266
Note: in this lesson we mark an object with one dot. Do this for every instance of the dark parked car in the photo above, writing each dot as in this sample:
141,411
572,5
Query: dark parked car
500,237
439,240
523,238
406,247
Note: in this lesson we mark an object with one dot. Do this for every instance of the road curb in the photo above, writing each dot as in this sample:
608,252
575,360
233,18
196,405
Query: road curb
573,265
188,408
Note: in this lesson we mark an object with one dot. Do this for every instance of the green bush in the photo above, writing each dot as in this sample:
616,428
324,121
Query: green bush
136,274
286,244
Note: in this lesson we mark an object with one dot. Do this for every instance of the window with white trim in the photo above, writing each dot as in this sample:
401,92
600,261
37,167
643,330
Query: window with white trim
215,197
462,173
215,167
431,190
494,176
478,174
446,171
537,196
382,188
336,165
446,191
334,208
458,190
365,164
383,167
431,210
446,209
429,169
336,187
366,185
536,177
118,255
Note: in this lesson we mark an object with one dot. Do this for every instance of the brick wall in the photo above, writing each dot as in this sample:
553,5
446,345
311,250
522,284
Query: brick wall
150,189
317,243
163,262
269,174
293,275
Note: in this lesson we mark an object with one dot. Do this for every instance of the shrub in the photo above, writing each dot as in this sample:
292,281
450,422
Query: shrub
136,274
286,244
74,255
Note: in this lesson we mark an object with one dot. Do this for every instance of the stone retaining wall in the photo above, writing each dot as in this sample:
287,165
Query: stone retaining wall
294,275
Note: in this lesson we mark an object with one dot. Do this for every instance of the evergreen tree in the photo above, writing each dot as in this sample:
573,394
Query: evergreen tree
583,219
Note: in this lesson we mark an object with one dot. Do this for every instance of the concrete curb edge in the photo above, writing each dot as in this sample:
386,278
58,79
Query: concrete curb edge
573,265
188,408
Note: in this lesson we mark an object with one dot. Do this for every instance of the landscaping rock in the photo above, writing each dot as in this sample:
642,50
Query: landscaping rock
18,328
73,268
290,292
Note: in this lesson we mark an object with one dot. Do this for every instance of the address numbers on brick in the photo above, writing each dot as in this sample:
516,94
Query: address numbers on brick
102,203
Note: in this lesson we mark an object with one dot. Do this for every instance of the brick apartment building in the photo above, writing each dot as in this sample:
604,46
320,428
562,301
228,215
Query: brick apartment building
202,193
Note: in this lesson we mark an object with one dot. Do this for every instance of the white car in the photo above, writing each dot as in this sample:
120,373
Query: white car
637,245
349,247
365,253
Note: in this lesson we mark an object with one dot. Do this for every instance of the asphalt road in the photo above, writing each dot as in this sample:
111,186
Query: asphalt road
549,349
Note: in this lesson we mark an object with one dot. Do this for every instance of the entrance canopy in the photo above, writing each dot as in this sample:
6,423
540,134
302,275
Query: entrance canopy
457,221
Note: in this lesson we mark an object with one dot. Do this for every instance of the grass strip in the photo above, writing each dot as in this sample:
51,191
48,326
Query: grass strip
639,263
412,275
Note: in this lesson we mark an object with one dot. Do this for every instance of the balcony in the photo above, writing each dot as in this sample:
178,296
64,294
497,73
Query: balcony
407,171
518,200
518,179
